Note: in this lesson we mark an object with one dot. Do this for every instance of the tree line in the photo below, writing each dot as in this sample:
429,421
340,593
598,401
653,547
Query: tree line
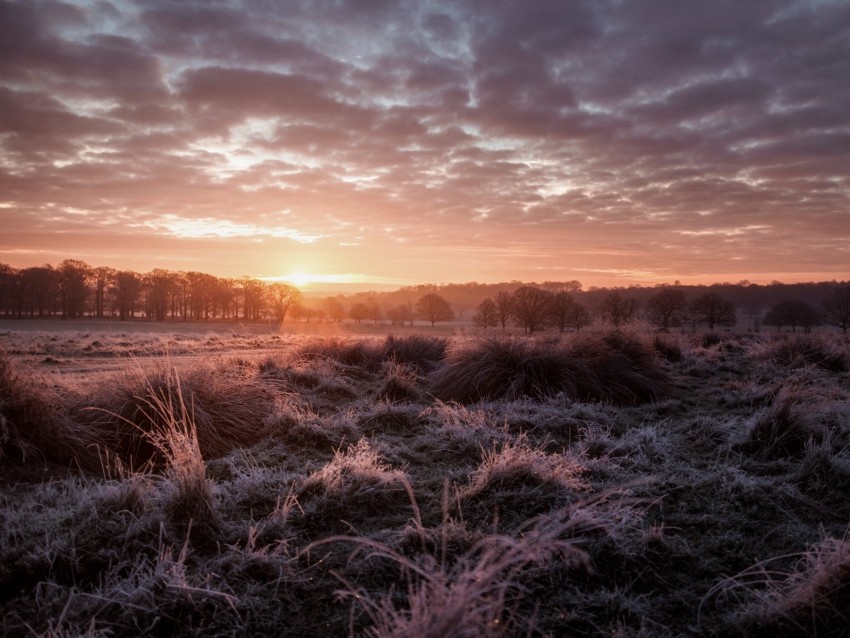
73,290
535,308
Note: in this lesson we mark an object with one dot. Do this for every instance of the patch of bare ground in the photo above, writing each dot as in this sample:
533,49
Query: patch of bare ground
423,485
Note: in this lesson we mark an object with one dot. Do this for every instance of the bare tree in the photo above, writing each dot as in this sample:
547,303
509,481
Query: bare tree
373,310
282,297
127,286
432,307
580,317
531,307
713,309
504,307
333,309
358,311
560,309
667,308
101,277
618,309
837,307
74,278
792,313
486,315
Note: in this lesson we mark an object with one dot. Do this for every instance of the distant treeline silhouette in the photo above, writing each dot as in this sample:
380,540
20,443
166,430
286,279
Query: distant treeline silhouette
75,290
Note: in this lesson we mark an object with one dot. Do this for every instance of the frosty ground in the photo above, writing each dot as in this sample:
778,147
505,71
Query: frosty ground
243,482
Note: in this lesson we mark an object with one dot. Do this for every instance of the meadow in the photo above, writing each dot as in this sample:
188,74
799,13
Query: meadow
250,482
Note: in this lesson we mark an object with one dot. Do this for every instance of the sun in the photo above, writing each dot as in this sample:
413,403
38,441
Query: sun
300,279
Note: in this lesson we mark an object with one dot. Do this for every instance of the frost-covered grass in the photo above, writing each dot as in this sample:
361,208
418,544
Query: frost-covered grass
600,484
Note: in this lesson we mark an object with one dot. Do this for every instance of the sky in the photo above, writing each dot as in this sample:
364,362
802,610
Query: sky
381,143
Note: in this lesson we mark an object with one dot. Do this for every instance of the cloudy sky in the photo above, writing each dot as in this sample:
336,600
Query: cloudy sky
393,142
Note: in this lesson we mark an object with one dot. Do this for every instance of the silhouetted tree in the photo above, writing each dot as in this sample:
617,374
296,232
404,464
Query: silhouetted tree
127,286
432,307
560,309
74,277
486,315
531,307
792,313
667,308
160,284
39,289
282,297
333,309
580,317
504,307
101,278
253,293
713,310
618,309
373,310
358,311
837,308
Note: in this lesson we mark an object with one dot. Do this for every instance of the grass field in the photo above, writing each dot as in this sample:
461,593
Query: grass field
250,482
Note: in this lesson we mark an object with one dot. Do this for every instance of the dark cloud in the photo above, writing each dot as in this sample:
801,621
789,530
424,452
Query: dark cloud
642,137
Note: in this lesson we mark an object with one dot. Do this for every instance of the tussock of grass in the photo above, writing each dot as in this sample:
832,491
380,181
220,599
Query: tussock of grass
611,368
508,369
354,487
421,352
33,427
366,355
812,599
227,410
517,482
779,432
796,351
399,383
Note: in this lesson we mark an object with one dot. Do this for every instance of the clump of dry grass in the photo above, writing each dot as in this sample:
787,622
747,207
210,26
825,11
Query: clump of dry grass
611,368
779,432
517,481
508,369
811,599
422,352
189,501
626,370
399,383
355,486
228,410
34,426
363,354
797,351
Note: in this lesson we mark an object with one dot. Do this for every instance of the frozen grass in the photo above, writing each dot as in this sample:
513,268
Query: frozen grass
593,484
611,367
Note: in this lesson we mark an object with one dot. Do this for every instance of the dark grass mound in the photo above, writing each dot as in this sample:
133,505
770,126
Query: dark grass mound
355,354
506,368
422,352
668,347
227,409
799,351
627,371
33,426
781,432
612,368
354,489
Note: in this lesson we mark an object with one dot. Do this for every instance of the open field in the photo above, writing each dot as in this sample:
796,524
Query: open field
235,481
